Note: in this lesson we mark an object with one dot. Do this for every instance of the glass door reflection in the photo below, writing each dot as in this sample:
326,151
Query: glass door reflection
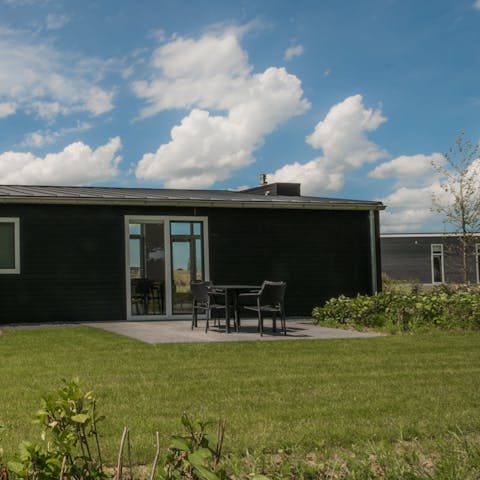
187,262
147,268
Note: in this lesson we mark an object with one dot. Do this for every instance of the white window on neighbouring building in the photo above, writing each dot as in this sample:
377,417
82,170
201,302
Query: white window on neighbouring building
438,275
9,245
477,260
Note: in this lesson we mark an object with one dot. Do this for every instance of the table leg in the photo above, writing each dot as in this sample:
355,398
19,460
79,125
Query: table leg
235,311
227,313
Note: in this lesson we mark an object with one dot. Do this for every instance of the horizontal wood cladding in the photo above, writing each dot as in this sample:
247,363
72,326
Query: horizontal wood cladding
71,266
409,258
320,254
73,257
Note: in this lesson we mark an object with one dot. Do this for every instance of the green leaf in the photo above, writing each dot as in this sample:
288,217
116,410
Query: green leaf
180,443
16,467
200,456
206,474
80,418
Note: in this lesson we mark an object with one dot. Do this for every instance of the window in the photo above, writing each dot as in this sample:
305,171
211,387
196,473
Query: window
9,245
437,263
477,260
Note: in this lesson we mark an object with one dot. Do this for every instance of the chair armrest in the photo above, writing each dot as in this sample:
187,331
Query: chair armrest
251,294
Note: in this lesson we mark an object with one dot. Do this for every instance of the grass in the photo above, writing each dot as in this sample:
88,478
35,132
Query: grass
350,395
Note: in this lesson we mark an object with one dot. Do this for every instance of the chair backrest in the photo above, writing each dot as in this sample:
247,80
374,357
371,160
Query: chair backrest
142,286
200,289
272,293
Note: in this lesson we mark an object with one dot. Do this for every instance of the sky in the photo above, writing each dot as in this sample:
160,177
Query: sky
352,99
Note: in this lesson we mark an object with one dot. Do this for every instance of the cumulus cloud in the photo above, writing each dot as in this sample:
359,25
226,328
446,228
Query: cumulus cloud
292,52
41,80
408,169
77,164
342,138
409,208
213,73
7,109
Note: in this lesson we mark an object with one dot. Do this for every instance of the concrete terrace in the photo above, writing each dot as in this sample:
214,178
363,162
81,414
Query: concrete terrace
179,331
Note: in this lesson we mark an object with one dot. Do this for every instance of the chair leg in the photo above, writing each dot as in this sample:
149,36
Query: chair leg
284,324
274,321
193,316
207,326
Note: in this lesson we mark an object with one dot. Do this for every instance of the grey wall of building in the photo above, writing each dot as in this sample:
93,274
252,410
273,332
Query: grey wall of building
409,258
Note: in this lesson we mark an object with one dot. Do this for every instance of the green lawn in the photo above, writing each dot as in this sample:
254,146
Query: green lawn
301,394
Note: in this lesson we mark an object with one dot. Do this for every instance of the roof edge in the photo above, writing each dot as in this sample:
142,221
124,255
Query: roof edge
195,203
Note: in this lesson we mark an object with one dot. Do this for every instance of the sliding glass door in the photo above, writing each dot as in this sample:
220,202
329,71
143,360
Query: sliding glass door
164,254
187,262
147,268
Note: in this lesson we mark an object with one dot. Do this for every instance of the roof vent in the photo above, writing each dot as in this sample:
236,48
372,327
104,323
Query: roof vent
263,179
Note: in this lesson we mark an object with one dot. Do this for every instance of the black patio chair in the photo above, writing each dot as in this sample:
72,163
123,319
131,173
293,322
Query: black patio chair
146,292
269,300
204,301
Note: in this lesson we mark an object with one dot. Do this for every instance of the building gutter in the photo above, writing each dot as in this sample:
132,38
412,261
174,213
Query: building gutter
191,203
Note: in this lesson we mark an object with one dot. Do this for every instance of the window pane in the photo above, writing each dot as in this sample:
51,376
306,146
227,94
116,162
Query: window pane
135,267
197,228
437,269
7,245
198,259
135,229
180,228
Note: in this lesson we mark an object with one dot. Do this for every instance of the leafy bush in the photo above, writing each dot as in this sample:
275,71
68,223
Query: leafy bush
70,447
394,311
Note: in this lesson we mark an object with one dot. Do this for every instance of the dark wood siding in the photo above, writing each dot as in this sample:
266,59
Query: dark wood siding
320,254
73,257
72,265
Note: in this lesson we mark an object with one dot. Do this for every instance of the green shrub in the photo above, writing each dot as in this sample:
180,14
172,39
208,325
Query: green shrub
444,308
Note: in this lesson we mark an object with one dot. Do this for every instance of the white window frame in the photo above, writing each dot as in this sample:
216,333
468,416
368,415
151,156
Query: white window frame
16,233
166,219
432,255
477,260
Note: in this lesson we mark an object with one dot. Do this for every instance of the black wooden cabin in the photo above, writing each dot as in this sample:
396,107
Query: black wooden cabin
70,254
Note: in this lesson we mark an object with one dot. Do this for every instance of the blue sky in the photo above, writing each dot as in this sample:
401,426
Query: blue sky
353,99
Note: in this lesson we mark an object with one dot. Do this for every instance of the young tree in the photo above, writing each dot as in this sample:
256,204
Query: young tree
459,204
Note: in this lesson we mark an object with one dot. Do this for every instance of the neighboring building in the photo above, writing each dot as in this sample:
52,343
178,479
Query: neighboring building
428,258
80,254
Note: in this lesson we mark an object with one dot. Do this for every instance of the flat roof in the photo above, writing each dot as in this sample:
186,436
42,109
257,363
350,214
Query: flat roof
178,197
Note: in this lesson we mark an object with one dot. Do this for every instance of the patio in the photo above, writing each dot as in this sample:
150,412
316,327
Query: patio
179,331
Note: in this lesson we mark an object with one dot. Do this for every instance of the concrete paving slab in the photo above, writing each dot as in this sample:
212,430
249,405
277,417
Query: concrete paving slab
179,331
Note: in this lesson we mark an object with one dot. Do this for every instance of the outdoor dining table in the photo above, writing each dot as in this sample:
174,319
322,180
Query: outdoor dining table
232,291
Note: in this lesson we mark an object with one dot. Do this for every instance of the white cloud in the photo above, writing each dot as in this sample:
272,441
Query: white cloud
77,164
213,73
407,209
292,52
477,4
41,138
342,137
409,169
7,109
41,80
